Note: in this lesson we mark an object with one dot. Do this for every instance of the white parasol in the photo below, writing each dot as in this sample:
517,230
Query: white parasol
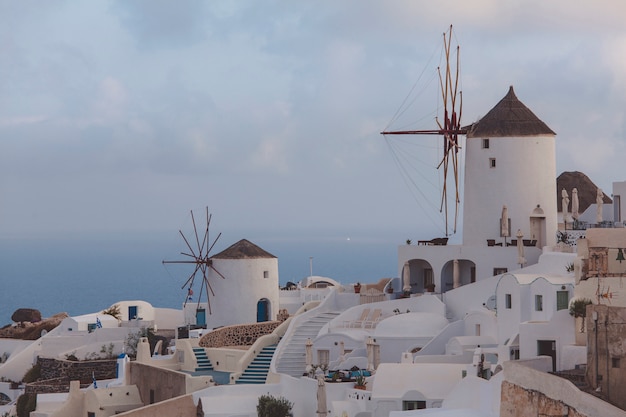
309,355
575,204
342,348
565,205
406,277
520,249
322,408
599,202
504,223
370,354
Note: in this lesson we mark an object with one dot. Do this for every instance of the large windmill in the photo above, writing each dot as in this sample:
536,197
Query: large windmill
449,127
199,255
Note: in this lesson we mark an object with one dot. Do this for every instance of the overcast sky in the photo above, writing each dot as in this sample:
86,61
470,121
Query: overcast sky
122,116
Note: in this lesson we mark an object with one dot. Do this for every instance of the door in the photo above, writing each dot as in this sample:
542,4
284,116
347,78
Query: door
200,317
132,312
262,311
547,348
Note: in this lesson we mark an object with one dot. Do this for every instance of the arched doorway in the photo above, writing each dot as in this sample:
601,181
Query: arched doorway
262,310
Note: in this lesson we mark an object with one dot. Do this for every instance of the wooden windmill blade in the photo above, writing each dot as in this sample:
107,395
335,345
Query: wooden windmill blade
200,257
449,127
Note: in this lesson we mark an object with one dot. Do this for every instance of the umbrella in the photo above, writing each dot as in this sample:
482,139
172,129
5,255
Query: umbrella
406,277
575,204
504,223
599,202
565,205
309,354
322,409
520,249
370,354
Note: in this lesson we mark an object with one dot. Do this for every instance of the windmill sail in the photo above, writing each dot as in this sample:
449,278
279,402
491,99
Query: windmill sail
449,128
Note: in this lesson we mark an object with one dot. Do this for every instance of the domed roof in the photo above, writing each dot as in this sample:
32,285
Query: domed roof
411,325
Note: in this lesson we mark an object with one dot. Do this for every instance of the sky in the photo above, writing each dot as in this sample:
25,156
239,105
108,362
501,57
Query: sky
120,117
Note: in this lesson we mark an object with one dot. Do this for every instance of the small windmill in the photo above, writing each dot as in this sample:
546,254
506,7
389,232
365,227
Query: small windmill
201,259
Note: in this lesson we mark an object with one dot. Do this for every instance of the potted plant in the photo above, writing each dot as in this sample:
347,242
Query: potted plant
360,382
357,288
430,287
578,308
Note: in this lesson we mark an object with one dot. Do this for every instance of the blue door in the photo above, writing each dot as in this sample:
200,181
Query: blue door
200,317
132,312
262,311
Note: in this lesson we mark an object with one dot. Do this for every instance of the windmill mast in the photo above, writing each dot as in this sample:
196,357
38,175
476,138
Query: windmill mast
449,130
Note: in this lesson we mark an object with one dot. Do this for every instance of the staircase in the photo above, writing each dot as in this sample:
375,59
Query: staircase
292,360
202,360
256,372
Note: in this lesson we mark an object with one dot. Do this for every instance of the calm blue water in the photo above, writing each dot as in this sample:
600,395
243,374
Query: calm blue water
80,275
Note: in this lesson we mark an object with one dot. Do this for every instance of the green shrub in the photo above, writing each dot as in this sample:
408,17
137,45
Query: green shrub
25,404
33,374
270,406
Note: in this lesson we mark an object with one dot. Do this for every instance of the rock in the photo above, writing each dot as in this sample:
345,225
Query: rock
30,315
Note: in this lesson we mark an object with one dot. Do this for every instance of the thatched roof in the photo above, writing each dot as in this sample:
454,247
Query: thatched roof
586,189
244,249
509,118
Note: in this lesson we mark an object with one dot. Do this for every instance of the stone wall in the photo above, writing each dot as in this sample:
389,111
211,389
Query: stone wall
237,335
516,401
528,392
83,371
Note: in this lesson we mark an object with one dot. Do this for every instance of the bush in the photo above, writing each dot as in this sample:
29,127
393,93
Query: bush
25,404
270,406
33,374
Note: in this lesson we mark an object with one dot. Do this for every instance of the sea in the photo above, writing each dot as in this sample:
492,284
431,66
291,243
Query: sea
80,274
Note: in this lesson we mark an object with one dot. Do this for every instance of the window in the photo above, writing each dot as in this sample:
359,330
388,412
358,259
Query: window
428,277
538,302
615,362
413,405
151,396
507,300
562,300
266,274
473,274
485,143
492,162
91,414
477,330
91,327
499,271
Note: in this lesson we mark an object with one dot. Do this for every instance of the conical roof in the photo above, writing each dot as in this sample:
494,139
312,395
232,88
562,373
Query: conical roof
244,249
509,118
586,189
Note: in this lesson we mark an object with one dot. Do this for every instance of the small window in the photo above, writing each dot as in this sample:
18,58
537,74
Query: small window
562,300
91,414
507,301
266,274
413,405
538,302
477,330
492,162
151,396
499,271
485,143
615,362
